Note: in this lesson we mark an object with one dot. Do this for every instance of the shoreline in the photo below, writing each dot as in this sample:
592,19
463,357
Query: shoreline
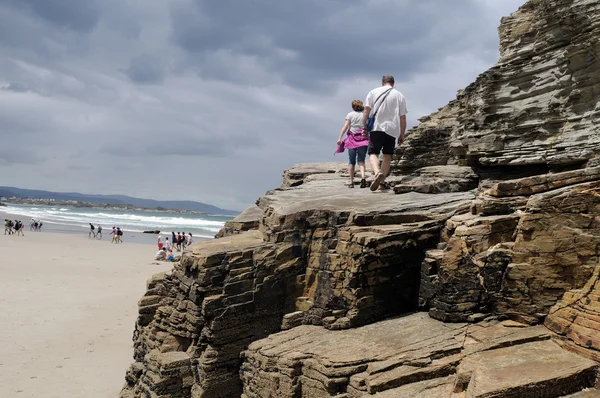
88,205
52,227
67,311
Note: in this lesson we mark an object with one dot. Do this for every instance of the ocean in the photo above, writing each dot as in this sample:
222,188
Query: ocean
76,220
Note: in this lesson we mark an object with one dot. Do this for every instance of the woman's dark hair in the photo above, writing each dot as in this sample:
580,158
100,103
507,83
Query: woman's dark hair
358,106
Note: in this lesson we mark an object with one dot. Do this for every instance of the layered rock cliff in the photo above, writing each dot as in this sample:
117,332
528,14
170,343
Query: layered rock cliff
475,276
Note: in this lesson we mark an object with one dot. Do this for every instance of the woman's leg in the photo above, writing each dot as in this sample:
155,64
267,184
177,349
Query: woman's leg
361,167
351,164
361,154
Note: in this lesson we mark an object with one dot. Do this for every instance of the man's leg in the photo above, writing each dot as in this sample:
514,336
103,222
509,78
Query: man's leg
389,145
374,159
385,165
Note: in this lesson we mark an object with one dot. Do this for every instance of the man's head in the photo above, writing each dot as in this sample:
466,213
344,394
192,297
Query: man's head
388,80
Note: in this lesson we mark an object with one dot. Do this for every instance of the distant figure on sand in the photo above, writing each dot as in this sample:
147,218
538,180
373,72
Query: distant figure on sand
19,228
160,241
190,240
119,234
161,254
167,244
171,256
99,233
389,111
92,232
183,241
114,235
356,142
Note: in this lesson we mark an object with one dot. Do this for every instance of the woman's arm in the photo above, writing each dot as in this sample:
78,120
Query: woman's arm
344,129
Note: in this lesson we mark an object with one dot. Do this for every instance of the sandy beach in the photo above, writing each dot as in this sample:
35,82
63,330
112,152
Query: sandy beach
67,311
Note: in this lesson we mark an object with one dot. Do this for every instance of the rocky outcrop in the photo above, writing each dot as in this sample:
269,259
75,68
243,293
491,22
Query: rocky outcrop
336,263
491,230
414,356
248,220
518,264
536,109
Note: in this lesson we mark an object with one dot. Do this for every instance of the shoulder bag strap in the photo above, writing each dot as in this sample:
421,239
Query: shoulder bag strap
386,94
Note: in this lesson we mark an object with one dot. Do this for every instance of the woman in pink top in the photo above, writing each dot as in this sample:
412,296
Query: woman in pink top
355,142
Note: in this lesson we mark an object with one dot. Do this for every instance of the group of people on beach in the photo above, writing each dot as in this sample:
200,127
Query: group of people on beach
178,242
116,233
13,227
35,225
374,128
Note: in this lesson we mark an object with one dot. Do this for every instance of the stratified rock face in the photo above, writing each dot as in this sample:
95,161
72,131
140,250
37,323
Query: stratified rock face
537,106
577,316
225,294
517,264
414,356
323,255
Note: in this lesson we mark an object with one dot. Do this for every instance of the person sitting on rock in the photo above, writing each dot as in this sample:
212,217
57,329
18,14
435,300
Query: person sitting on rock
389,110
355,142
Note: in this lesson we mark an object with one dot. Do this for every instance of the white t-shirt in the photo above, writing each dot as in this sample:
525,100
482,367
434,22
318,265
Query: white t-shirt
356,121
390,110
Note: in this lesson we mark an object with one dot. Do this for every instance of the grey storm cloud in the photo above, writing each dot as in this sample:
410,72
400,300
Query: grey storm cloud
79,15
146,69
322,40
111,96
16,87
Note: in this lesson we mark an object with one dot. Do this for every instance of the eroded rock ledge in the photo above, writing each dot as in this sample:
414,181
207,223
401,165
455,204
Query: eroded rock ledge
491,231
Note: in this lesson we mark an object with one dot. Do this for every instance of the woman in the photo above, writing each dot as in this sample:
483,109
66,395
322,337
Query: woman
355,142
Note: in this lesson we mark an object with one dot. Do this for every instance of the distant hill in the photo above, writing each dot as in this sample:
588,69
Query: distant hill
115,200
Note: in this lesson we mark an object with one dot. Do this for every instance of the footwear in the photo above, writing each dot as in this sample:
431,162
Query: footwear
351,185
378,180
384,186
363,183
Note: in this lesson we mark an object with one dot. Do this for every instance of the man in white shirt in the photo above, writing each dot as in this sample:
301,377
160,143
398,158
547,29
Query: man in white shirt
389,106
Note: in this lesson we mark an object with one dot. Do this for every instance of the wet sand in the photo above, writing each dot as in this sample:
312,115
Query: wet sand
68,305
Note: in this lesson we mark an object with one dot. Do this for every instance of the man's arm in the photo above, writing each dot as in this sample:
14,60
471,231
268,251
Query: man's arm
366,114
402,129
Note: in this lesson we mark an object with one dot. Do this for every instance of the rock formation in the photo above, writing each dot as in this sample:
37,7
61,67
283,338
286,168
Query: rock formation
475,276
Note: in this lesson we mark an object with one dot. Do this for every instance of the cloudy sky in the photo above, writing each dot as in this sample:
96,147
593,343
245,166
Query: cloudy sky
211,100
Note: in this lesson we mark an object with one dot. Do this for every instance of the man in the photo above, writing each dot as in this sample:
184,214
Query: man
389,107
